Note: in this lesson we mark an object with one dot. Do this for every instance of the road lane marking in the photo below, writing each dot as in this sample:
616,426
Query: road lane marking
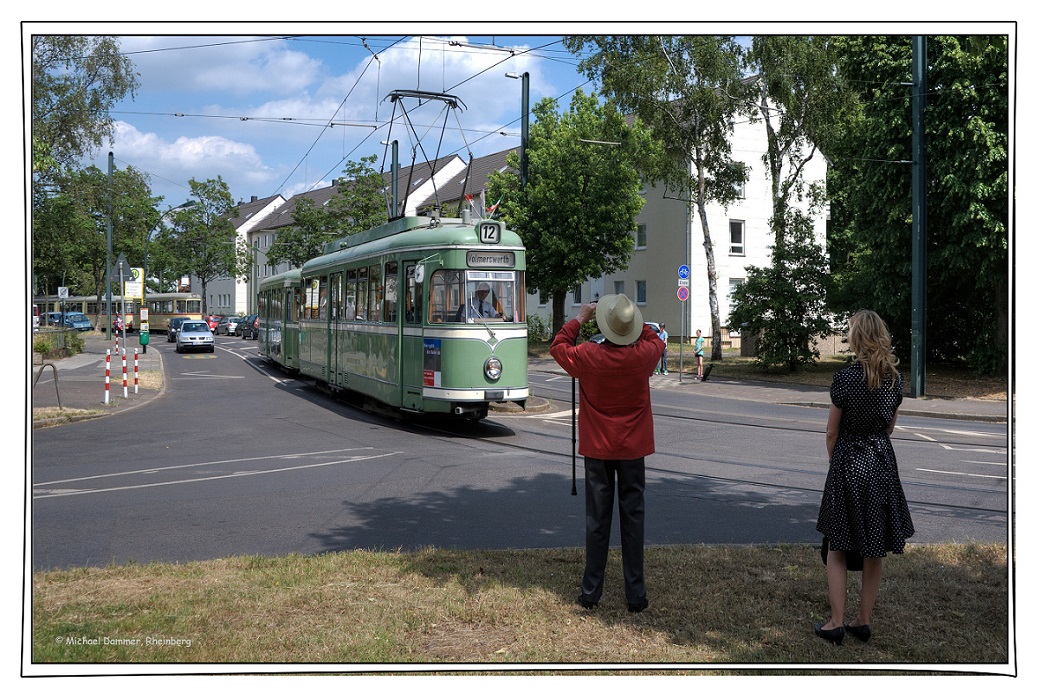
961,474
74,492
153,470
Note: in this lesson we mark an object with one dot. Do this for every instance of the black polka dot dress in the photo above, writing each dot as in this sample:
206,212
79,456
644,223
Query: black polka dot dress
863,508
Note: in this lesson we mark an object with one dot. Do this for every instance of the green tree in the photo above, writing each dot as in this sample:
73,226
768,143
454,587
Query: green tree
203,239
966,133
358,205
688,90
70,229
578,210
782,308
75,80
800,101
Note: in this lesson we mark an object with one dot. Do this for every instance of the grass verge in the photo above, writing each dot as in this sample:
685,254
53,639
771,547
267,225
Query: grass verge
710,604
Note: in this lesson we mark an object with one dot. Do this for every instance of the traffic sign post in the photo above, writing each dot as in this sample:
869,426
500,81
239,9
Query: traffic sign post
683,292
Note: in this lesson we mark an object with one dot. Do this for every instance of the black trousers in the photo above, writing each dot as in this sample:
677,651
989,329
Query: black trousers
601,476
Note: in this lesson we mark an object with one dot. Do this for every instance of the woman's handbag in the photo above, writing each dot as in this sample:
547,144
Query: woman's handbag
854,562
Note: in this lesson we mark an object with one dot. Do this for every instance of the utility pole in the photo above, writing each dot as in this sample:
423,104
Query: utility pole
919,221
524,78
108,255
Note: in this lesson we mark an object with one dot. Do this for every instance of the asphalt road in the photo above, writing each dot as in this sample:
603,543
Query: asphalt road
236,458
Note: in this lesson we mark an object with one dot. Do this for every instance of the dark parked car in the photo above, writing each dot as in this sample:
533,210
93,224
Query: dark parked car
244,327
175,324
253,330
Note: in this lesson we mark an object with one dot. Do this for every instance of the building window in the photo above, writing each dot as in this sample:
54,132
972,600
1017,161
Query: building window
641,292
619,287
576,295
737,238
641,236
734,284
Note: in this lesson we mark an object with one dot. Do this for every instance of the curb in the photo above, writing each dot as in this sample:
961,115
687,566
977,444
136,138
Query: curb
534,405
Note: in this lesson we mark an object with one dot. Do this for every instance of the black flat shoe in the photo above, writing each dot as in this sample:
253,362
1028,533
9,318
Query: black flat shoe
586,602
861,631
835,636
639,606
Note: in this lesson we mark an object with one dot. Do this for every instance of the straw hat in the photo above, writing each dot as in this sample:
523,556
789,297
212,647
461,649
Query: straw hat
619,319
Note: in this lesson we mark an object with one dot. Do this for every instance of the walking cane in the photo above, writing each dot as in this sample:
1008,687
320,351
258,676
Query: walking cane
574,440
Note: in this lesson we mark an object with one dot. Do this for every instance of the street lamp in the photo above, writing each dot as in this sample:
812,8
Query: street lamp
524,125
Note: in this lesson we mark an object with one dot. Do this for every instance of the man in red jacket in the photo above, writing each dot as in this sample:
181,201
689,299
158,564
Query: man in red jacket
615,433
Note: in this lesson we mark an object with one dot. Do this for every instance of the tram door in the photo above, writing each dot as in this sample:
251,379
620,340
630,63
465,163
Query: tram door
335,335
412,341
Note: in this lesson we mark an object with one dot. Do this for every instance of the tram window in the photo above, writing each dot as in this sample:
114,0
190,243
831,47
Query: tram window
351,296
495,296
323,298
390,292
375,293
413,309
314,298
336,296
362,296
446,295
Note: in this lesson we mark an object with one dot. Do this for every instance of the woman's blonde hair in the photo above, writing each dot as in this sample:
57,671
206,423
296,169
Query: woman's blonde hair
870,340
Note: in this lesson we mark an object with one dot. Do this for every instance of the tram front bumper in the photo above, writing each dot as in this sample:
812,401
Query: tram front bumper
502,395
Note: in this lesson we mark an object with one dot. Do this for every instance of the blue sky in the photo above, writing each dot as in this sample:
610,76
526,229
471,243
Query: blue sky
256,109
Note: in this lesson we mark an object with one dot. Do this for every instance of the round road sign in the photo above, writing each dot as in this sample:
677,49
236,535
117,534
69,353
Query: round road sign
683,293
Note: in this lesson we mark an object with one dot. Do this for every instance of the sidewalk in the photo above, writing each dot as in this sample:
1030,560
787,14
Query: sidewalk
81,386
81,379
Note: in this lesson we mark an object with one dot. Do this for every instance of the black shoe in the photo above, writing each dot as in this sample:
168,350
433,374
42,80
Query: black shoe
861,631
585,602
835,636
639,606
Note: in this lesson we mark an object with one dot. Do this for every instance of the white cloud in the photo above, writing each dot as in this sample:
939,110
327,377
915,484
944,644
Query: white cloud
200,157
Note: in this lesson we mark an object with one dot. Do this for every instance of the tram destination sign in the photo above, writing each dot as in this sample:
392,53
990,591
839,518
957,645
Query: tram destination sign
490,260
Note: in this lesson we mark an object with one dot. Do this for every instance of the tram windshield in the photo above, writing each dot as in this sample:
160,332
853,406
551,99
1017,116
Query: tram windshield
476,296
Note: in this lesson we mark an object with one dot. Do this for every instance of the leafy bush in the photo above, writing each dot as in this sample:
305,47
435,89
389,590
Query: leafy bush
42,344
538,328
783,305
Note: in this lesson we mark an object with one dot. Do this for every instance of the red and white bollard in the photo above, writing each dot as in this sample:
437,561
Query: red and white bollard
117,343
108,371
135,371
124,374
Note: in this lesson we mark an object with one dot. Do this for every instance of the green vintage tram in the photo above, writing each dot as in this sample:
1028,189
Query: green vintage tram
423,315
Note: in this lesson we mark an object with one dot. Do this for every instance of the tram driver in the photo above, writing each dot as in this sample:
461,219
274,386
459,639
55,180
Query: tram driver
479,306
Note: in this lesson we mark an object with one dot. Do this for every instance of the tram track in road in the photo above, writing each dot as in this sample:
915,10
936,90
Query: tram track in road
953,436
504,431
455,435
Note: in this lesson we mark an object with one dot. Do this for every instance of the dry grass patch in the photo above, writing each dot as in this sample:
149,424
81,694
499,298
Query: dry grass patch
710,604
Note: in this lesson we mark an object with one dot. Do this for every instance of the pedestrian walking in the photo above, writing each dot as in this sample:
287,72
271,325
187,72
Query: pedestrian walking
615,434
664,336
699,352
863,510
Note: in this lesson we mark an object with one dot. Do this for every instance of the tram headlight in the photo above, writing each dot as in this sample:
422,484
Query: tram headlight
493,368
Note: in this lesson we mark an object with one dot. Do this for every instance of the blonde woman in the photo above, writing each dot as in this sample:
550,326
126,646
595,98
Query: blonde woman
863,509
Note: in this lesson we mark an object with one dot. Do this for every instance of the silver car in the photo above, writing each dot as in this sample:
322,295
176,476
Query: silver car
194,334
